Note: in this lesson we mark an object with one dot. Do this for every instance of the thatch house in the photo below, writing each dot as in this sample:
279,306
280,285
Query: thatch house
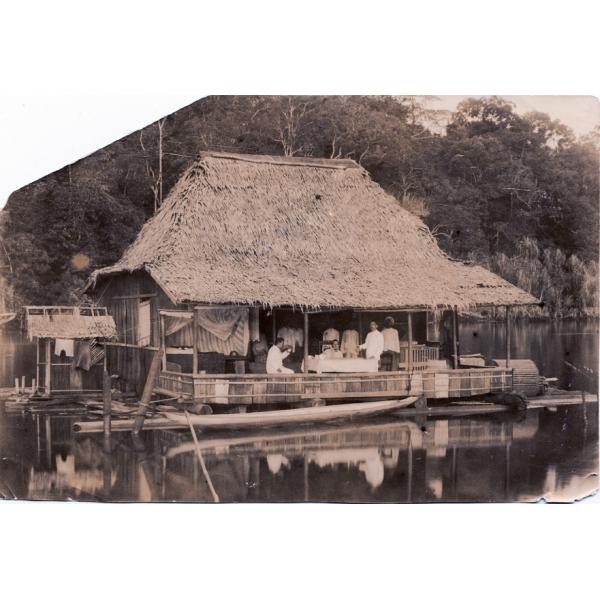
273,235
69,346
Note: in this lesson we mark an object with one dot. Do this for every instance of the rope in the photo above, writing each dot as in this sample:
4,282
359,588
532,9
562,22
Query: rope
199,454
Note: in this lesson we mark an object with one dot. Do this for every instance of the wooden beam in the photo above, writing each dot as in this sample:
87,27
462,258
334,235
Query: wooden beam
507,330
133,297
305,363
409,357
195,342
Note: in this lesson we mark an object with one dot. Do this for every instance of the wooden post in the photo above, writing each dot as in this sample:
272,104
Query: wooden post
37,362
507,330
140,414
455,343
195,338
305,363
106,402
163,342
409,356
273,326
48,367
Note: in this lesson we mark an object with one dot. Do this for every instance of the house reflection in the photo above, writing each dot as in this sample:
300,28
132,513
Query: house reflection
387,460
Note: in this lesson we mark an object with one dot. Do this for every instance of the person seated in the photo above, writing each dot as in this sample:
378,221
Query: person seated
278,352
333,352
259,351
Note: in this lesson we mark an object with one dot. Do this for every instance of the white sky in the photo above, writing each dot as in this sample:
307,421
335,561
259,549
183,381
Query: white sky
580,113
41,134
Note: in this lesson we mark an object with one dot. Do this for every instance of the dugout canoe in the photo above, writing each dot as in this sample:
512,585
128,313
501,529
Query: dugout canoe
273,418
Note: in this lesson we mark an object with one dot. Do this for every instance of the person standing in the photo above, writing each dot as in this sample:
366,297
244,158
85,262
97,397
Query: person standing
276,356
373,343
391,339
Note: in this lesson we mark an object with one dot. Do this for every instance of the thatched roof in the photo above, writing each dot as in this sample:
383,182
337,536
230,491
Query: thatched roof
69,323
299,231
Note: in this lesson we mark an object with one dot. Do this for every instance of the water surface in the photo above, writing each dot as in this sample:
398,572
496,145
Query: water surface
502,457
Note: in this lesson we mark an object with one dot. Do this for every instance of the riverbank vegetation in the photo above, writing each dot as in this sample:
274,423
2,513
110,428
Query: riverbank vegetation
515,193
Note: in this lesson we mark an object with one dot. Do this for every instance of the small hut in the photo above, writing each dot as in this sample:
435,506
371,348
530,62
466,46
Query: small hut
69,346
247,247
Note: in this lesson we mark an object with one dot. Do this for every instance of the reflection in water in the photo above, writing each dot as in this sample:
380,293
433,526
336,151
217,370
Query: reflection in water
567,350
502,457
551,454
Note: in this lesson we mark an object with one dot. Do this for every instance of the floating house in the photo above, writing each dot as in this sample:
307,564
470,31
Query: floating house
249,248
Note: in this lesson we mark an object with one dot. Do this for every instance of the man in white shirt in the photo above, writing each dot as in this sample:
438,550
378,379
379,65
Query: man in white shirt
276,356
373,343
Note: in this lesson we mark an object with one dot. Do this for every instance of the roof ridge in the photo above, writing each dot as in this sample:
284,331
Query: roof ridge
304,161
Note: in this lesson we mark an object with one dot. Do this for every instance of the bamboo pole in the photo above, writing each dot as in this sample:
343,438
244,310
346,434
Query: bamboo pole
273,326
148,387
409,359
201,460
507,329
305,363
195,338
37,361
106,402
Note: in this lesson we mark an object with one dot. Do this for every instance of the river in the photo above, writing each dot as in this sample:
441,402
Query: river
502,457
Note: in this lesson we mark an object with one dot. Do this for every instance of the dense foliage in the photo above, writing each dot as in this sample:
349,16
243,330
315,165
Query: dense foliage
517,193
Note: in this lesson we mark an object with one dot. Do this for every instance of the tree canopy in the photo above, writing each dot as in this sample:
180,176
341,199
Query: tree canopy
517,193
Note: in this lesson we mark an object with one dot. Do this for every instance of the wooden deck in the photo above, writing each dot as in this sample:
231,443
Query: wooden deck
301,387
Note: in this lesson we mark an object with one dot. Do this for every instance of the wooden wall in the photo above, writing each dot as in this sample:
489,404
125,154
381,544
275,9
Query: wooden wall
121,294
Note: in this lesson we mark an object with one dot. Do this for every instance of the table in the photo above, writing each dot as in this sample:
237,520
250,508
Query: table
316,364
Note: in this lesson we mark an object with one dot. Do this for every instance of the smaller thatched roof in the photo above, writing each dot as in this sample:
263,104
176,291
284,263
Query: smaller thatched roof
69,322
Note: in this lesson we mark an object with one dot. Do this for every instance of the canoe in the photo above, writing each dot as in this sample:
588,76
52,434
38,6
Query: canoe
271,418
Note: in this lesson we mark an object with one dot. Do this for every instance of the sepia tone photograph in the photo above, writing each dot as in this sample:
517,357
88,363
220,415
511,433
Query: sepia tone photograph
357,299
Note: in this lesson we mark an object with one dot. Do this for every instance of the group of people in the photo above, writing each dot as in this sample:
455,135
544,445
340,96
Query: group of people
374,345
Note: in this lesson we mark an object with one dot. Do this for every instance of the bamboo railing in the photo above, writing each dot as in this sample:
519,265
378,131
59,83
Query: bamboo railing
257,389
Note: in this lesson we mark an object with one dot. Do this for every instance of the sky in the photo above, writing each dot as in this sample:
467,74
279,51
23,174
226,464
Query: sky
42,134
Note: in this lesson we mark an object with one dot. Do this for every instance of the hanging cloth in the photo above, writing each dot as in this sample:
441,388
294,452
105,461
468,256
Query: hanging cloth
221,322
66,346
223,330
83,355
350,343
